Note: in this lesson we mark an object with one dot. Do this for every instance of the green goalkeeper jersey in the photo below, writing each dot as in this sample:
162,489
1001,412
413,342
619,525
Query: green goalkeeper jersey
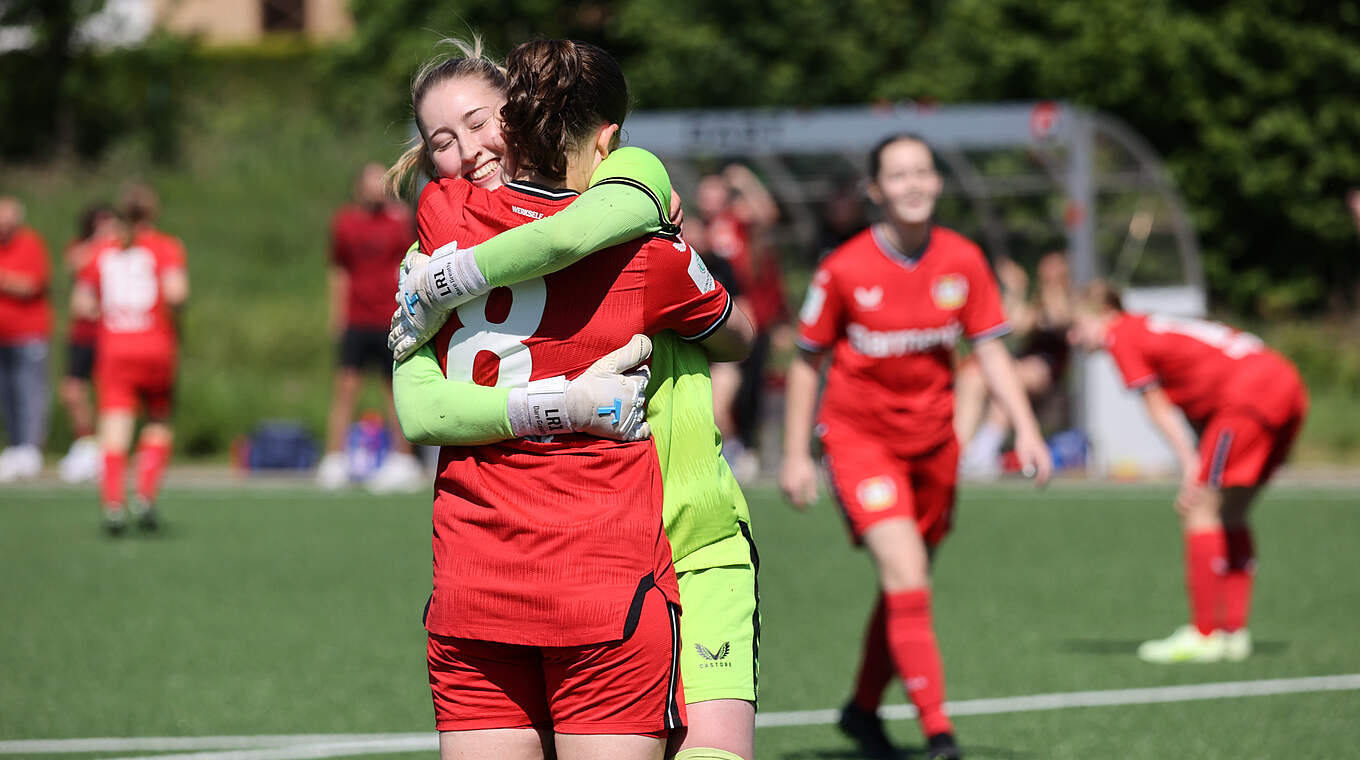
703,503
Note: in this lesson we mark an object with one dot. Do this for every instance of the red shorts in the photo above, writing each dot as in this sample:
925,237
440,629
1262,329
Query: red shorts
127,383
871,484
1238,449
623,687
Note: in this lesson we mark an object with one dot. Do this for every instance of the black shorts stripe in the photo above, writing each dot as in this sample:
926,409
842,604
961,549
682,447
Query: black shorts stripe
1219,462
834,488
755,615
672,717
630,624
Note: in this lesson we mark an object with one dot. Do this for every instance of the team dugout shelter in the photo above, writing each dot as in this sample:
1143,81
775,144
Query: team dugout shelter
1021,179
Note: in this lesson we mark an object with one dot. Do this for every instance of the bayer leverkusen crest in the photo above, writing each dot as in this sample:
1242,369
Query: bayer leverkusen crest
949,291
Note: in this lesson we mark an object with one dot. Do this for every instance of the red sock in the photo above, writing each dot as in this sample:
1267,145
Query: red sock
911,638
151,459
876,667
1205,562
1237,582
111,488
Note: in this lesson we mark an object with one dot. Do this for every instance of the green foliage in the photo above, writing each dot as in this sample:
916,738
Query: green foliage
64,97
262,171
1250,102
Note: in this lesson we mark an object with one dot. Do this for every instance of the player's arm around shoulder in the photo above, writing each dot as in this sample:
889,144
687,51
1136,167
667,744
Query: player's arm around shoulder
435,411
629,197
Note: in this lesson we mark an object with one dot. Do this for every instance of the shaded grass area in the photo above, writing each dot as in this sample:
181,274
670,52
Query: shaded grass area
298,612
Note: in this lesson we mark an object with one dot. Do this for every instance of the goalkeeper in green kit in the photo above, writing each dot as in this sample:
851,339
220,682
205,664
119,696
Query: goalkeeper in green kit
706,516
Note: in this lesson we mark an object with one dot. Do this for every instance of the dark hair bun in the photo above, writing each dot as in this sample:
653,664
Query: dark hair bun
559,91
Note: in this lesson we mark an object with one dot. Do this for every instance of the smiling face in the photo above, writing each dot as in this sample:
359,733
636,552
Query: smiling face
460,119
907,185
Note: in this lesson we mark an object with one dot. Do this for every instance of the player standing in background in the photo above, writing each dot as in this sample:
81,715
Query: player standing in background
1247,403
579,85
368,240
740,215
98,226
25,323
135,286
890,304
1041,361
705,513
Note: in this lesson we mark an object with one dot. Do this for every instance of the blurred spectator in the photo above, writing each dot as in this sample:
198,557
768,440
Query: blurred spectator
98,225
739,214
135,286
369,238
25,321
843,216
1041,362
726,376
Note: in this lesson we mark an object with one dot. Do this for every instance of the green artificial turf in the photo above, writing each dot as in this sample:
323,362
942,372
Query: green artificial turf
291,611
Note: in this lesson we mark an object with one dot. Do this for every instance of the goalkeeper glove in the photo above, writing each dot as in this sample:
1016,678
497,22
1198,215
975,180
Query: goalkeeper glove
607,400
428,288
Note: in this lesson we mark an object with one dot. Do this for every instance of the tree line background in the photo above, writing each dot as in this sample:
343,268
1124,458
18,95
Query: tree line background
1252,105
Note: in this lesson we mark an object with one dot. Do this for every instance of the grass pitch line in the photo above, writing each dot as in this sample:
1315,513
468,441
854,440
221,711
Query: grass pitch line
1107,698
317,746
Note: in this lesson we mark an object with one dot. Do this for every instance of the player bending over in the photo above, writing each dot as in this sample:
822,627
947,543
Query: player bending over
1247,404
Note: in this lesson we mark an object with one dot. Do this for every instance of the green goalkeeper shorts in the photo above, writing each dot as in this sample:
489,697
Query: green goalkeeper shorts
720,626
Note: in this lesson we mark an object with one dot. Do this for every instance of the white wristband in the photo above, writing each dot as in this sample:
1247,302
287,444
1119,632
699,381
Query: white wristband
540,408
456,279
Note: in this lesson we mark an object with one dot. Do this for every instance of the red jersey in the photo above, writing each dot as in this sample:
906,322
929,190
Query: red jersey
551,542
369,245
1204,367
892,322
28,317
134,319
78,253
762,282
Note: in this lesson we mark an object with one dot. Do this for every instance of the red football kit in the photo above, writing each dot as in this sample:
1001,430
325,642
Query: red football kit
30,318
762,281
886,416
369,244
556,543
137,340
81,331
1246,401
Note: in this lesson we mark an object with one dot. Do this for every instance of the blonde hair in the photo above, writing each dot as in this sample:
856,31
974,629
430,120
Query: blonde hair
469,59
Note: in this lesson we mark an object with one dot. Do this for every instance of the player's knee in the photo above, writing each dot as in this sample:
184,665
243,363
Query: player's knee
905,573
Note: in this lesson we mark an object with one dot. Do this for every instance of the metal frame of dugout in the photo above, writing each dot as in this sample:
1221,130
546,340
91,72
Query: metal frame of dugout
1020,178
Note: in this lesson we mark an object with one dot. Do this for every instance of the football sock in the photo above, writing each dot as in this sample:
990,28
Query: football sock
706,753
111,487
1205,561
151,460
911,639
876,666
1238,580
